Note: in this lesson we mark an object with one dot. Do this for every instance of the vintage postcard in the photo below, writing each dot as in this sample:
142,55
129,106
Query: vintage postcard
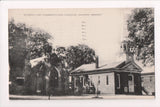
81,53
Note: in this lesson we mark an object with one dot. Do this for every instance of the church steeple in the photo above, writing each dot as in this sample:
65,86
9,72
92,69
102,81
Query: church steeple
128,49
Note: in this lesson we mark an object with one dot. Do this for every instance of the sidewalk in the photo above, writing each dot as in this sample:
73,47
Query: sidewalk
84,97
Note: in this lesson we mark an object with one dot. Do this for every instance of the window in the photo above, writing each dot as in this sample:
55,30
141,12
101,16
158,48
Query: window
107,80
70,79
82,81
99,80
90,81
20,80
75,82
151,78
142,79
118,81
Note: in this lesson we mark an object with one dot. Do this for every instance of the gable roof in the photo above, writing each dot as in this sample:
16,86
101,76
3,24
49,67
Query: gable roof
115,66
85,67
129,65
35,61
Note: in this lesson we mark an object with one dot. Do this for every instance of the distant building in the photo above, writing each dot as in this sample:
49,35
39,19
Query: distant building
148,83
116,78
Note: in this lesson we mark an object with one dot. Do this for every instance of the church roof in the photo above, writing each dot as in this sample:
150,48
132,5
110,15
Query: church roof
114,66
35,61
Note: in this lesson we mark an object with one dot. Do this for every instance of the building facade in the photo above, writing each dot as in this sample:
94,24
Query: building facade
148,83
116,78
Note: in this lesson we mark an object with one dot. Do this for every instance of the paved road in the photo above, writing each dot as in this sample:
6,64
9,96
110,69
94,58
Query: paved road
19,97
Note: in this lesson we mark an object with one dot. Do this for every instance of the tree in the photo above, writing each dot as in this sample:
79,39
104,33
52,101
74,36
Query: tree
78,55
74,56
140,26
37,44
25,43
17,48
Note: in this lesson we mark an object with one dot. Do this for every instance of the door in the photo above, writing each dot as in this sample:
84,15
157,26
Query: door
131,83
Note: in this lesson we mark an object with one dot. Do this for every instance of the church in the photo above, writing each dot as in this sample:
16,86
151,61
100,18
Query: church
115,78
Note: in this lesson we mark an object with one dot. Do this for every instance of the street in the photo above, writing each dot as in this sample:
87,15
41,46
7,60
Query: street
84,97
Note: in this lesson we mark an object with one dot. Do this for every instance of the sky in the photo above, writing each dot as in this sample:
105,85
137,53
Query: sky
102,29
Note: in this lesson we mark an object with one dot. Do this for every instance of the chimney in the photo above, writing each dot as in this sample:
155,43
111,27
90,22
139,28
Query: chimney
97,62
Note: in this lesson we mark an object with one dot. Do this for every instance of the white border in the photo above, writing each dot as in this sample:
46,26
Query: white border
5,5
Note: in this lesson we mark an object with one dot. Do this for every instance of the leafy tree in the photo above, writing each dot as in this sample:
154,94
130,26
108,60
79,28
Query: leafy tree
79,55
25,43
140,26
17,48
37,44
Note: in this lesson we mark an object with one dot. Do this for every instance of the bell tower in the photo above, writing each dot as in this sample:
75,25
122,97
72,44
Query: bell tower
129,50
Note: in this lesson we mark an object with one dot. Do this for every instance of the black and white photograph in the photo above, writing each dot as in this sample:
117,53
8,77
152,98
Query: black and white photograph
81,53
